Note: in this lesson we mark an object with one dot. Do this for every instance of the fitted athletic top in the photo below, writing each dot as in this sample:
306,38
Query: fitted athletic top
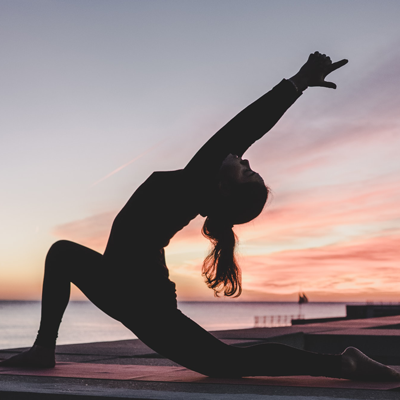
167,201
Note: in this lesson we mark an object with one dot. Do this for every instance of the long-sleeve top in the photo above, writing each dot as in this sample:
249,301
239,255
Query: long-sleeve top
167,201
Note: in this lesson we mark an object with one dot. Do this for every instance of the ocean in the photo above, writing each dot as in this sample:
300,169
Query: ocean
84,323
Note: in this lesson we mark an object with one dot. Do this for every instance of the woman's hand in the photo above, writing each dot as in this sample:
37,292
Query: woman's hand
315,70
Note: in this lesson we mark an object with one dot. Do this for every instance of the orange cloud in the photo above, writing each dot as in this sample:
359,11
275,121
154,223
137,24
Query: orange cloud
92,231
364,267
329,246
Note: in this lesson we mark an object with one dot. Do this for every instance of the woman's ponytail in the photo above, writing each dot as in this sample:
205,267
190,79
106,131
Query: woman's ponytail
220,268
243,203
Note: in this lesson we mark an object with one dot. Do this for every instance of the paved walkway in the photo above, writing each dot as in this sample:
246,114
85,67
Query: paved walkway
129,369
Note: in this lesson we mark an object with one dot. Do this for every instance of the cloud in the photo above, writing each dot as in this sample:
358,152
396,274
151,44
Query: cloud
149,150
92,231
361,266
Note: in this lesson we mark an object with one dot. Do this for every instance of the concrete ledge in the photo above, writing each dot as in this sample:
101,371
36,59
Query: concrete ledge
378,337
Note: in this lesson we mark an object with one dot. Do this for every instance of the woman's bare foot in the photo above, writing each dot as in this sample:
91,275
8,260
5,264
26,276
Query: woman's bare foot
357,366
37,356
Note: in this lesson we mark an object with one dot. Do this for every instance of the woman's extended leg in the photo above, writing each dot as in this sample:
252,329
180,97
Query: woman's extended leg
66,262
180,339
186,343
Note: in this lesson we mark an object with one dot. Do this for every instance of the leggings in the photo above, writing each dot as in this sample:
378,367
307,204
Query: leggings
164,329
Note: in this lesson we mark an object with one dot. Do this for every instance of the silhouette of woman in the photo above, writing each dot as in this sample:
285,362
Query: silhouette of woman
130,281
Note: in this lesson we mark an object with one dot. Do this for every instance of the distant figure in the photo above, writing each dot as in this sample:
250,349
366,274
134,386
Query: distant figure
130,283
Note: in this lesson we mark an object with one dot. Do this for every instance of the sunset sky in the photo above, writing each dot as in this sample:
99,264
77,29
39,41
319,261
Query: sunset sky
96,95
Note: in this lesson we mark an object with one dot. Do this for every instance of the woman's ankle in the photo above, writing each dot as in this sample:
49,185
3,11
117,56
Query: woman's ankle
37,357
348,364
356,365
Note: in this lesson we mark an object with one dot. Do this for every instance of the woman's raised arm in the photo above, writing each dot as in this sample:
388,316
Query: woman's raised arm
259,117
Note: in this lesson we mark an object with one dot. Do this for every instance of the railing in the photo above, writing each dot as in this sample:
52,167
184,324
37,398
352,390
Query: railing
268,321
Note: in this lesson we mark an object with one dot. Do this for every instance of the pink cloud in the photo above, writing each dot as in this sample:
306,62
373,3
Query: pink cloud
365,263
363,266
92,231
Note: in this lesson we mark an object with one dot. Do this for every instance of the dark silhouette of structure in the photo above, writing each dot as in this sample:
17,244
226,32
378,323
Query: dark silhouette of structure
303,298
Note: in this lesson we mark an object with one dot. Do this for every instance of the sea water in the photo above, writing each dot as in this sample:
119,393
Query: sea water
84,323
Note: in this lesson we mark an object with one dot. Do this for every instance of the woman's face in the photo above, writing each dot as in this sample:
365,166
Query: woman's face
234,170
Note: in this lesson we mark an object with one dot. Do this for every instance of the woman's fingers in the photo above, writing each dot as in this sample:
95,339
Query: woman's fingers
329,85
337,64
333,67
324,59
329,67
314,71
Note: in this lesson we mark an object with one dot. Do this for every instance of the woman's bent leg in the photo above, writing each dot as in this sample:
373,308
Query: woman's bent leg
66,263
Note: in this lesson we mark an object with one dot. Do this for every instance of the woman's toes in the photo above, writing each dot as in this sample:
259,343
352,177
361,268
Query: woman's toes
35,357
357,366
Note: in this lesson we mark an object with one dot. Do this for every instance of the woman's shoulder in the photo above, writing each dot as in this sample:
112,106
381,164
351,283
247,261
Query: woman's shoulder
169,177
175,172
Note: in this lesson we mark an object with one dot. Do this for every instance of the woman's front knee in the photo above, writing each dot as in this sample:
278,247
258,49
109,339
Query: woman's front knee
59,250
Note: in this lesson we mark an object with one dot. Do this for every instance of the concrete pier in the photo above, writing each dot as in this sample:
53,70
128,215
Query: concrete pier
129,369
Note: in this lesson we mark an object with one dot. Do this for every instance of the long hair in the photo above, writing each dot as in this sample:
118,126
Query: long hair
220,268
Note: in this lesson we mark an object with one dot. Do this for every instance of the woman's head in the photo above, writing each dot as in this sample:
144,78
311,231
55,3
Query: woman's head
241,196
234,170
241,192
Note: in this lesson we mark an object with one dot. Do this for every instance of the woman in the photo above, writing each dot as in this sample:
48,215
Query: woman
130,281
